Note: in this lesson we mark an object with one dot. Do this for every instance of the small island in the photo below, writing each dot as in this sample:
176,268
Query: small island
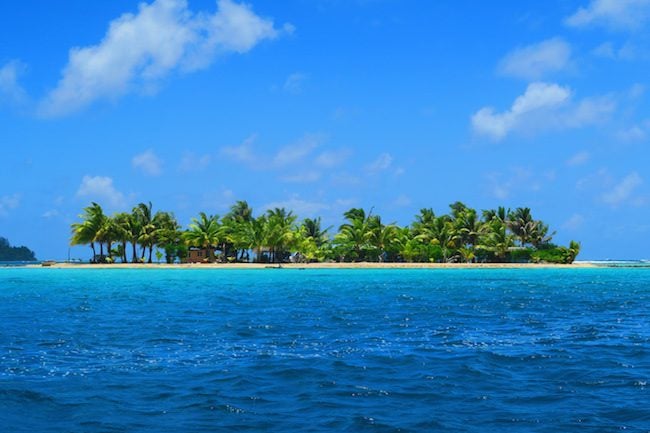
9,253
464,235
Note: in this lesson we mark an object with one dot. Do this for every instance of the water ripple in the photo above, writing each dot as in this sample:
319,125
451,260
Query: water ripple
324,350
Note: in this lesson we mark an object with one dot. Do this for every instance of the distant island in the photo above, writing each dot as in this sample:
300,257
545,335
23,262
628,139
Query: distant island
15,254
465,235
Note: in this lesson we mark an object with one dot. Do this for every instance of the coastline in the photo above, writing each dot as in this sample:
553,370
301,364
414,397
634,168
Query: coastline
352,265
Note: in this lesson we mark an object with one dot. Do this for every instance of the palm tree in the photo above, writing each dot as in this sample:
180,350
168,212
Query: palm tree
122,227
354,236
107,233
468,226
252,235
313,230
574,250
233,223
280,232
204,233
146,235
85,232
167,234
522,224
496,239
382,238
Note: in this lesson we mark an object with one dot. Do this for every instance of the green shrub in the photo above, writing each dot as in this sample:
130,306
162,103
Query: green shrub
560,255
522,255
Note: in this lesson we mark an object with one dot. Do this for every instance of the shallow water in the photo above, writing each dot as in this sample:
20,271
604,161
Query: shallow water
324,350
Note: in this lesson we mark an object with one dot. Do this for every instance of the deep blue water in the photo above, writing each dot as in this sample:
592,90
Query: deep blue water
324,350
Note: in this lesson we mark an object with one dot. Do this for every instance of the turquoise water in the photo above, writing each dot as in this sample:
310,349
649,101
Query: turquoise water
324,350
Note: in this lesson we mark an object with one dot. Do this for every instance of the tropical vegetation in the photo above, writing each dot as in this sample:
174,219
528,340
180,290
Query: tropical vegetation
9,253
463,235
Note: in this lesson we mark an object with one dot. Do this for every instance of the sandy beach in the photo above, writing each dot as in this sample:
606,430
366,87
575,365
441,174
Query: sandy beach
355,265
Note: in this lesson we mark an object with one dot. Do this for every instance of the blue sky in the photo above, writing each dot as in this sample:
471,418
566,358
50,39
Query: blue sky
323,105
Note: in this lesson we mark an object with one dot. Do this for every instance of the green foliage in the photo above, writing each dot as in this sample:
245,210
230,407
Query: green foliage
521,255
15,254
558,255
497,235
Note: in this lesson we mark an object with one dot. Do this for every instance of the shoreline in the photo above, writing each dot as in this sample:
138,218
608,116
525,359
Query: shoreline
355,265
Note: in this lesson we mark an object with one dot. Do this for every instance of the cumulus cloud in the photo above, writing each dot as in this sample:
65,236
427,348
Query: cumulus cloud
101,189
613,14
148,162
140,49
623,190
8,203
10,90
534,61
542,106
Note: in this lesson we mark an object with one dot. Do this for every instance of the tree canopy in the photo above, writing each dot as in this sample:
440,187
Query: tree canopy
9,253
278,235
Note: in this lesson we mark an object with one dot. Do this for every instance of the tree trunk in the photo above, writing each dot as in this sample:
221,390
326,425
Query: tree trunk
150,252
92,245
134,259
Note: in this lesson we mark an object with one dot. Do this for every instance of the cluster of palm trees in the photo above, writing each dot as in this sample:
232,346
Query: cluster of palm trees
276,236
140,228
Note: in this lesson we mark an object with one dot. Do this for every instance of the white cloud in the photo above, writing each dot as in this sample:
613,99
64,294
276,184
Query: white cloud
588,111
10,90
503,185
217,200
381,163
614,14
242,152
193,163
633,133
140,49
101,188
304,177
148,162
575,222
579,158
294,83
8,202
345,179
402,201
623,190
627,51
329,159
534,61
297,151
301,208
50,214
542,106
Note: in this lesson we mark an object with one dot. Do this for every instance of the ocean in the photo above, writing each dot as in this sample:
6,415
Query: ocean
324,350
